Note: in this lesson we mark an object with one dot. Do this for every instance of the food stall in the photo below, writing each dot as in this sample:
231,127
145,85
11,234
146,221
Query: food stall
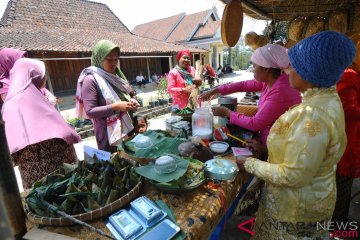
197,206
199,210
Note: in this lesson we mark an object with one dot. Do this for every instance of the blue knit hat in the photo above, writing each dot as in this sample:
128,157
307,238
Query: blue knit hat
322,58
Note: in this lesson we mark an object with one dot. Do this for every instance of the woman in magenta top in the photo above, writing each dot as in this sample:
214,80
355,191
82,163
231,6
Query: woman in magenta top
180,80
277,96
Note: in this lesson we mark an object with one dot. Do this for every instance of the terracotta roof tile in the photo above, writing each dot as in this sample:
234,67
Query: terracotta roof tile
71,26
158,29
186,26
208,30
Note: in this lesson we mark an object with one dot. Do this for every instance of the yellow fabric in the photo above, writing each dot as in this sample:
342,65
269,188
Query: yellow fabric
304,146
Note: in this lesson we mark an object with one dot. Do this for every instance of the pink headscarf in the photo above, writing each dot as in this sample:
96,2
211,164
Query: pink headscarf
271,56
182,53
29,117
8,56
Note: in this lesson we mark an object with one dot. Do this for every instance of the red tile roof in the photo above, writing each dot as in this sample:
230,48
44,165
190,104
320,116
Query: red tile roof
208,30
186,26
180,28
71,26
158,29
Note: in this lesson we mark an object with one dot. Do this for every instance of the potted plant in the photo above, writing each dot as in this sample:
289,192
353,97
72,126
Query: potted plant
156,102
162,89
140,101
151,103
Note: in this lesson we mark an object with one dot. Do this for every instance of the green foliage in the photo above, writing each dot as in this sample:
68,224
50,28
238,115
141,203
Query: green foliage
240,56
162,87
281,31
73,121
82,188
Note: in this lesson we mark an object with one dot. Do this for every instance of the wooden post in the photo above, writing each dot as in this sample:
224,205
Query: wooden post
10,200
170,63
148,69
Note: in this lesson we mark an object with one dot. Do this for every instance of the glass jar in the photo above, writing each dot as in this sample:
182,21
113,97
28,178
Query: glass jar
202,123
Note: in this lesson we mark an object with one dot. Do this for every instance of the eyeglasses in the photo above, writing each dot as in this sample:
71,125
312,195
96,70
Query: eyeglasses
112,59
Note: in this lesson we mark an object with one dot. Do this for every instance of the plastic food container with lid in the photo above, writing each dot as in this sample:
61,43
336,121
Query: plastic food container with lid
221,169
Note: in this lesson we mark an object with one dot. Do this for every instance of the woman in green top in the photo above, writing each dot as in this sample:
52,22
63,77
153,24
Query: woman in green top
104,95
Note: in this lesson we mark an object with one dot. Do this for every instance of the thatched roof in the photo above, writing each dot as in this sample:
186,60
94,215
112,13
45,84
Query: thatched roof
286,10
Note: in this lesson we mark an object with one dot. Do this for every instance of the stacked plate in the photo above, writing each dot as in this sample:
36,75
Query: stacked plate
170,121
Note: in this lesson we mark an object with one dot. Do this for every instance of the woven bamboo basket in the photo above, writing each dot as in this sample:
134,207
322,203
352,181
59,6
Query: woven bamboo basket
296,27
247,110
338,21
355,18
313,26
289,43
89,216
355,36
231,23
253,40
141,161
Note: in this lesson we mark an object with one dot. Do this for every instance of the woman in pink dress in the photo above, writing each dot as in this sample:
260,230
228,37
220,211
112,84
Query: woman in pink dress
8,57
277,96
181,80
39,139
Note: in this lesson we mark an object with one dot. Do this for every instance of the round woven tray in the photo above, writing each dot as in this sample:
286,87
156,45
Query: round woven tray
355,18
296,27
289,43
231,23
141,161
313,26
338,21
89,216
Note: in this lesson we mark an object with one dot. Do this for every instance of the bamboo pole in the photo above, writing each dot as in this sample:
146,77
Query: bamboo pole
10,199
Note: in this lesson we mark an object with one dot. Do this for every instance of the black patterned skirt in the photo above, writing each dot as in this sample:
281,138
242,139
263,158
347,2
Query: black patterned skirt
37,160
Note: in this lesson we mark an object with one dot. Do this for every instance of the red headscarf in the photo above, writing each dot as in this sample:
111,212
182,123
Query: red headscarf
182,53
210,70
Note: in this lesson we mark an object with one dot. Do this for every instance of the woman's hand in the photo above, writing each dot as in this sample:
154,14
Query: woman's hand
240,161
197,82
221,111
255,145
188,88
206,96
122,106
135,103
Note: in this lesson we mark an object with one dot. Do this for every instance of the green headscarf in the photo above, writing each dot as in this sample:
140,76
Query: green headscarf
101,50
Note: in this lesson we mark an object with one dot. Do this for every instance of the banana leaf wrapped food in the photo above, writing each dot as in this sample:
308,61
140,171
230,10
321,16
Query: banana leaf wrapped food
83,188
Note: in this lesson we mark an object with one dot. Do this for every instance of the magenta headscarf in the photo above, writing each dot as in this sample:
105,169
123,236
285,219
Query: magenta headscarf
271,56
29,117
182,53
8,56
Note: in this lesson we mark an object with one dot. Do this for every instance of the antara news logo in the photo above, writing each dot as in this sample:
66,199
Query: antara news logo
342,230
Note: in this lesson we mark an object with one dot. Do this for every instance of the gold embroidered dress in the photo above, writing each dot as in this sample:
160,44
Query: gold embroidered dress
304,146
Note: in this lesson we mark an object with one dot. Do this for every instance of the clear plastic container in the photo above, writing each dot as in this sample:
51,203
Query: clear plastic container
143,142
202,123
165,164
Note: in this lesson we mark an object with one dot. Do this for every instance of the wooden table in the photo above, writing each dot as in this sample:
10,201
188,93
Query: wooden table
197,212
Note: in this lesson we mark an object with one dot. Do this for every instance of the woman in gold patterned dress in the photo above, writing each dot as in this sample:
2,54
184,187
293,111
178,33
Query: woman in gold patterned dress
305,144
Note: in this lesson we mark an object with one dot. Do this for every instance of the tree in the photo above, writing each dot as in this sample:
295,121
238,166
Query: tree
281,31
240,56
